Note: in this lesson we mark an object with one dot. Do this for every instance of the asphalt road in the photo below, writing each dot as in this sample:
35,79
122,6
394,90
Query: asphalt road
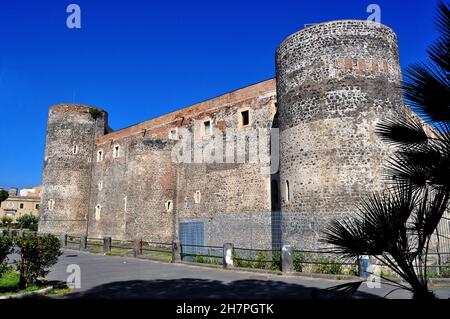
121,277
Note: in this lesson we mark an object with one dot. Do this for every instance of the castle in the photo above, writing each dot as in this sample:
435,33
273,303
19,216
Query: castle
334,82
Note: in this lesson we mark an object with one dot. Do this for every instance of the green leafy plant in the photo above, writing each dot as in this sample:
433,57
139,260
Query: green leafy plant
7,221
3,195
260,260
328,265
6,248
95,112
37,255
298,259
276,261
26,221
199,259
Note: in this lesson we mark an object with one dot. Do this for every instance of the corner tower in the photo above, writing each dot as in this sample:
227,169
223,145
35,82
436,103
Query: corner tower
335,81
70,143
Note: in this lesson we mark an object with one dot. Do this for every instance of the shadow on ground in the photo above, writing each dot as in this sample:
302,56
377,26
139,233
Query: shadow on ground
206,289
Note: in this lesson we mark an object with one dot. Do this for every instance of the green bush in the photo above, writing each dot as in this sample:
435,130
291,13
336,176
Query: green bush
199,259
276,261
6,247
328,266
298,259
242,263
33,227
7,221
26,221
260,260
37,255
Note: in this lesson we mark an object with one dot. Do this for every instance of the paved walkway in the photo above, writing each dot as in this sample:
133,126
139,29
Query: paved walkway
121,277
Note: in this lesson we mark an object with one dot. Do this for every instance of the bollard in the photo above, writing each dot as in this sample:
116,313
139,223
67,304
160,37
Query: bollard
63,240
106,244
176,251
363,265
228,252
83,243
286,258
137,247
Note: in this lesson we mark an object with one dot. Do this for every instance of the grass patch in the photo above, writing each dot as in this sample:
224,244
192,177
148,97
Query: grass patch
9,282
59,291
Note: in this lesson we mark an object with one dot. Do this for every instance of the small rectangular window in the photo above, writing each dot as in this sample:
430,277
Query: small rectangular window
37,206
21,205
100,156
207,127
245,118
116,151
173,134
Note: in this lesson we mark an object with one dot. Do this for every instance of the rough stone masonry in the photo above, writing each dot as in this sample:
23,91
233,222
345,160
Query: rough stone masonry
334,82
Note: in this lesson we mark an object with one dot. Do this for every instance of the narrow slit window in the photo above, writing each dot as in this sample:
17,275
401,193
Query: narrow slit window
245,118
287,191
98,211
169,206
197,197
116,151
75,149
100,156
51,204
207,128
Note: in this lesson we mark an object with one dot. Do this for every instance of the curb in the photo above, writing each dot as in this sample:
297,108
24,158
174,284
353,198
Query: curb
28,294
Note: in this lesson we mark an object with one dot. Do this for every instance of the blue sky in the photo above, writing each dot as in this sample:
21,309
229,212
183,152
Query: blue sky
139,59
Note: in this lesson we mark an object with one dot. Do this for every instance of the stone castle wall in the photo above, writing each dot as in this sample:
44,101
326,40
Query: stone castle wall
69,148
334,82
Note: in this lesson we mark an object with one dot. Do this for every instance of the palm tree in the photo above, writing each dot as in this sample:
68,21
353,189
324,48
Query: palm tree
397,225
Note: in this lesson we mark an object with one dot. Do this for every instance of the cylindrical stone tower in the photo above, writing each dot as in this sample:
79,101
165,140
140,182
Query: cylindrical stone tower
335,81
69,148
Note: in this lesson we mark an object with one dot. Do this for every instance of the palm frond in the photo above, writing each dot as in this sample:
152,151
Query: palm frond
344,291
427,89
401,132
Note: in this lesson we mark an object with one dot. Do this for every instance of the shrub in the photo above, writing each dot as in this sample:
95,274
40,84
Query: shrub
26,221
328,266
242,263
6,221
276,261
33,227
199,259
298,259
95,112
37,254
260,260
6,247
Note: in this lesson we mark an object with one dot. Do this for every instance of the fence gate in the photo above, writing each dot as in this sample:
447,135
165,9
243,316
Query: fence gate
191,233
